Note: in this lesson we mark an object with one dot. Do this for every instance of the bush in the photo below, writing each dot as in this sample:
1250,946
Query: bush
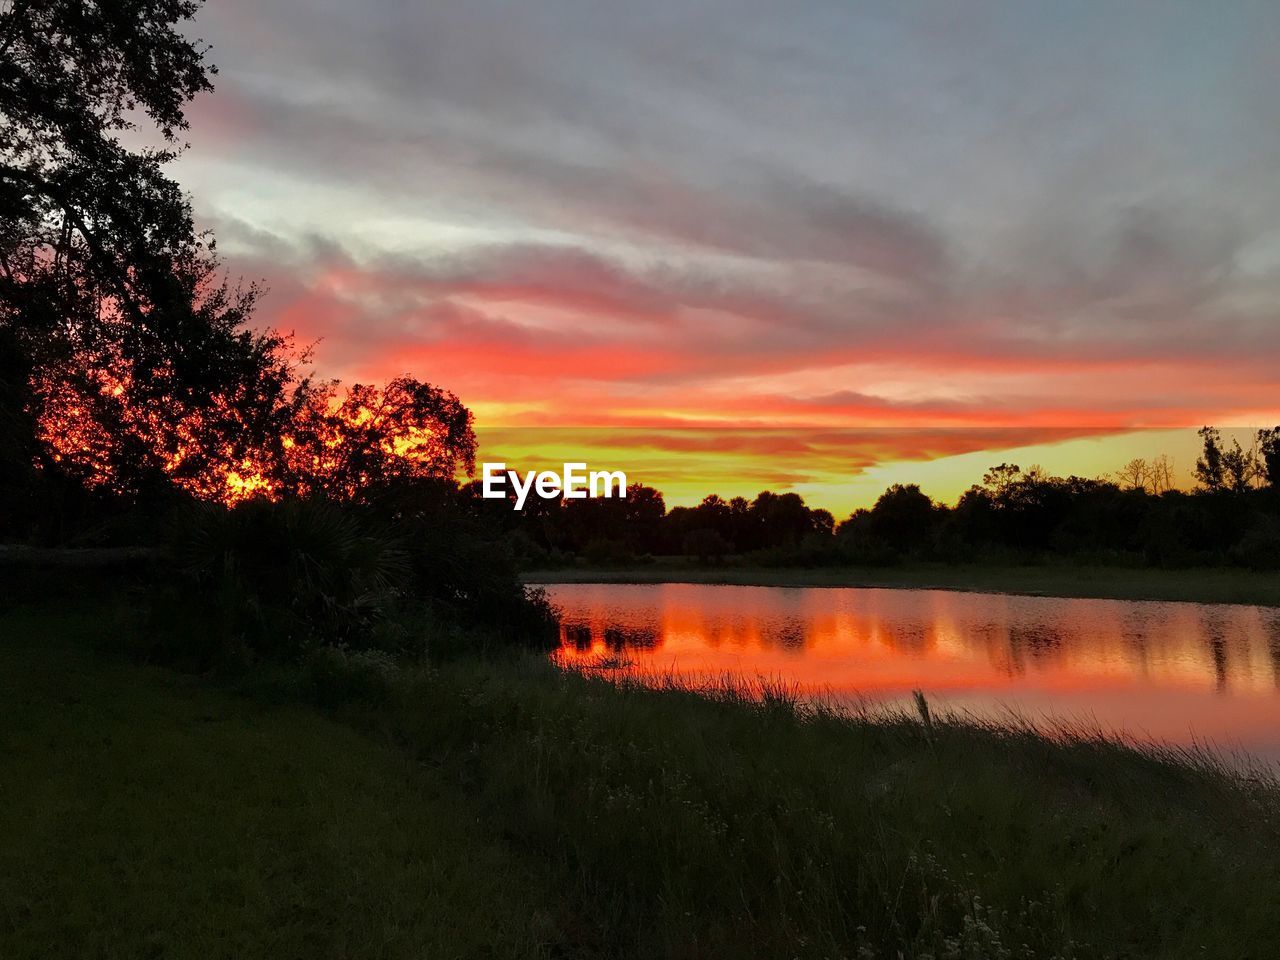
277,580
870,553
285,577
605,552
332,676
1259,548
705,544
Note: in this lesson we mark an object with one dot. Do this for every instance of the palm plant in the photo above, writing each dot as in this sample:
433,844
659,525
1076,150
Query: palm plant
287,576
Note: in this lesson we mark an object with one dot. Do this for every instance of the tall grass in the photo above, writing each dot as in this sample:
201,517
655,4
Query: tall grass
738,820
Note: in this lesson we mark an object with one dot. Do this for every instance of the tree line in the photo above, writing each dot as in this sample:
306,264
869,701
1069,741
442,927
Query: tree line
1137,516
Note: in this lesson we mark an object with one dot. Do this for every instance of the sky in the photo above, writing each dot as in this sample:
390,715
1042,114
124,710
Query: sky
819,245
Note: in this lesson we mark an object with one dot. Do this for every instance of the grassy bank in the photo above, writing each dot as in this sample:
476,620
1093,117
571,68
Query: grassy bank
1202,585
502,808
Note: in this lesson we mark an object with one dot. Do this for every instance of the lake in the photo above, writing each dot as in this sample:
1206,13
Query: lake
1173,672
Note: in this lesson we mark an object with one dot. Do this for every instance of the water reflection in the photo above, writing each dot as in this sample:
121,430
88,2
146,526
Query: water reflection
1170,671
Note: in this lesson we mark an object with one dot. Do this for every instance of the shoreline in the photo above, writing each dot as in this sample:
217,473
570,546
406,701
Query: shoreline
1193,585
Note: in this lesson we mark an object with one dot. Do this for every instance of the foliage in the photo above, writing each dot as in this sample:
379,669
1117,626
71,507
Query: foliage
279,580
705,544
1209,468
375,438
129,371
1268,447
904,521
332,676
283,578
1259,547
138,365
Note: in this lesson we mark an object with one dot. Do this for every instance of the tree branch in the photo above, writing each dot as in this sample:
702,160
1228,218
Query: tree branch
16,12
72,213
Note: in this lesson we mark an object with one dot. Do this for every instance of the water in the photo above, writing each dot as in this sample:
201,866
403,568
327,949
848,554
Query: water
1173,672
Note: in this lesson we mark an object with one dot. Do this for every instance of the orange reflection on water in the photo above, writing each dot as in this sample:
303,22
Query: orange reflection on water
1166,671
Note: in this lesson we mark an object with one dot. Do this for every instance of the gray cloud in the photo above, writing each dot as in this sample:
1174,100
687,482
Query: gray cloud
906,184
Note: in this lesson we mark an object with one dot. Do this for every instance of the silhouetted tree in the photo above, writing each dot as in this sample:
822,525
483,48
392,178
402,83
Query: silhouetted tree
714,513
705,544
1000,480
18,449
783,519
1239,467
1135,475
1161,474
643,509
372,438
1268,446
1014,514
1209,467
903,519
140,370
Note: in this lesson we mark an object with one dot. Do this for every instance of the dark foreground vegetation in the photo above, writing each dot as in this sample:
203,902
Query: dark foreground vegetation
348,805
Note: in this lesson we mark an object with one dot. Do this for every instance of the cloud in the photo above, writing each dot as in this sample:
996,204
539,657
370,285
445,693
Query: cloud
696,212
703,319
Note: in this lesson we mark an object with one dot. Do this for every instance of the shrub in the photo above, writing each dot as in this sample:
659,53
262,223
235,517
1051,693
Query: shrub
1259,548
277,580
601,551
332,676
705,544
284,577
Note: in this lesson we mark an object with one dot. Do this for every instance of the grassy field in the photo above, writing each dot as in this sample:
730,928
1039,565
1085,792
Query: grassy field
1206,585
505,809
146,815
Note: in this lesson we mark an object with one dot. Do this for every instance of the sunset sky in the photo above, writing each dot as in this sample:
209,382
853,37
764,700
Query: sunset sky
819,246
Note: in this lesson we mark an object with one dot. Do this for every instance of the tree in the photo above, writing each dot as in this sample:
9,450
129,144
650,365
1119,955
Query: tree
1001,480
77,204
1135,475
782,519
714,514
705,544
140,369
821,522
1239,467
17,430
1209,468
1161,474
644,509
903,518
1267,442
371,439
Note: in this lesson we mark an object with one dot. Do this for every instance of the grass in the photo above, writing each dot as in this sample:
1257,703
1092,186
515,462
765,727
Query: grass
488,808
1202,585
732,825
147,814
